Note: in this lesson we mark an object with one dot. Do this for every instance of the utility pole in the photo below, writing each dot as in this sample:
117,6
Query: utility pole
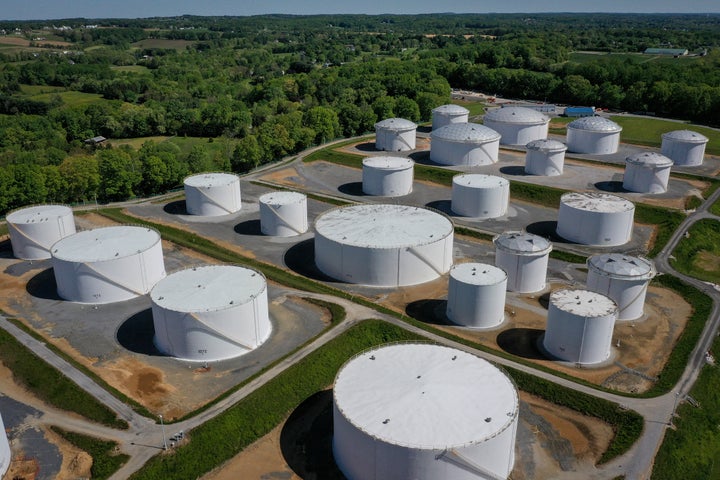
162,425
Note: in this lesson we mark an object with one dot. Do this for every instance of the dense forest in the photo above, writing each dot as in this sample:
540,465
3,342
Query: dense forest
241,91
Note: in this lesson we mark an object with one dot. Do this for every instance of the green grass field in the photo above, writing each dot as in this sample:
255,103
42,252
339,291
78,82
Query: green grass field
698,255
137,142
130,68
70,98
636,58
648,131
162,43
106,459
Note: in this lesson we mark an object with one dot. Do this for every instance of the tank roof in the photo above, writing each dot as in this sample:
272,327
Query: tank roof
208,288
685,136
396,124
425,396
617,265
479,180
595,124
583,303
107,243
596,202
282,198
466,133
207,180
38,214
650,159
451,109
522,243
388,163
383,225
478,273
546,145
516,116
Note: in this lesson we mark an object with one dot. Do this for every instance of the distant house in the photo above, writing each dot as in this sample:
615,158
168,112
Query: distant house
95,140
675,52
539,107
579,111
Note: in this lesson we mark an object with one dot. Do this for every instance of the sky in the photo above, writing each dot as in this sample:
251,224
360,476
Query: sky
55,9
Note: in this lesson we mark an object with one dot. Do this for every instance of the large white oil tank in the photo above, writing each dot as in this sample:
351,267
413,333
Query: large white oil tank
517,125
468,144
387,176
684,147
580,326
623,278
598,219
545,157
476,295
524,257
594,135
210,313
33,230
212,194
108,264
423,412
395,135
283,214
480,196
383,245
5,454
447,114
647,172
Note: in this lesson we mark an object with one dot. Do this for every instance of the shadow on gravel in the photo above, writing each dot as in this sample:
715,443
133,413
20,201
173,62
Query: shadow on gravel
611,186
428,311
137,332
176,208
250,227
521,342
514,170
43,285
352,188
300,258
444,206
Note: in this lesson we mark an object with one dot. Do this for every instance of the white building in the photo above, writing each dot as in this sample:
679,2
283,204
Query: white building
480,196
684,147
517,125
33,230
476,295
212,194
524,257
283,214
395,135
545,157
387,176
623,278
593,135
598,219
647,172
464,144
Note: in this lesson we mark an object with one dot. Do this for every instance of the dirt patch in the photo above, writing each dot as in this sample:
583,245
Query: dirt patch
75,464
144,383
707,261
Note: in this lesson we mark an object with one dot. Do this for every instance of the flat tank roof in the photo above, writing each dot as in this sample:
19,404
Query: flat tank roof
396,124
208,288
107,243
38,214
522,243
516,116
687,136
596,202
451,109
211,179
425,396
546,145
595,124
479,180
583,303
383,225
282,198
651,159
478,273
388,163
617,265
466,132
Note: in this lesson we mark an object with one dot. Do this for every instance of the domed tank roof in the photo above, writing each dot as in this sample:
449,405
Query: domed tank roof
396,124
212,179
466,132
480,180
522,243
618,265
546,145
478,274
451,109
685,136
388,163
650,159
583,303
596,202
516,116
595,124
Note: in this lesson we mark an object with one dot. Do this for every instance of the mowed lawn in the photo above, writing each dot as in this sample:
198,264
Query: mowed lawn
648,131
698,254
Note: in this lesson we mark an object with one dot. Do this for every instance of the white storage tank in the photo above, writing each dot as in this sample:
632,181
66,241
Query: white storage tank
395,135
5,454
599,219
447,114
108,264
524,257
517,125
684,147
283,214
476,295
33,230
423,412
469,144
210,313
647,172
480,196
383,245
580,326
623,278
545,157
387,176
212,194
594,135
